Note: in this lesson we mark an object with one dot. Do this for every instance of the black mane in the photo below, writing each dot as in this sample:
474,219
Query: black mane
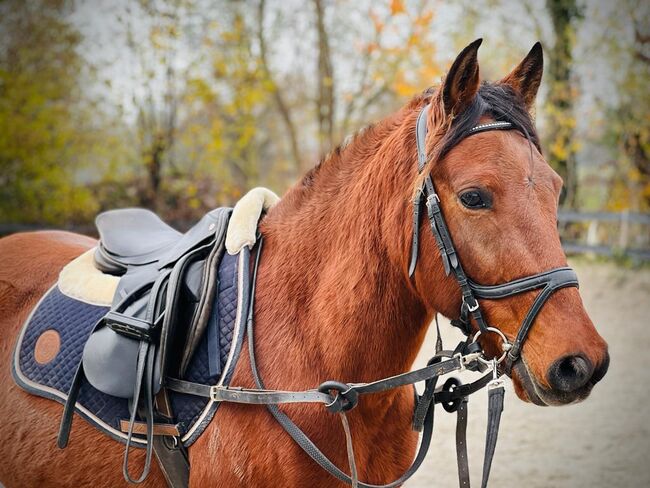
497,101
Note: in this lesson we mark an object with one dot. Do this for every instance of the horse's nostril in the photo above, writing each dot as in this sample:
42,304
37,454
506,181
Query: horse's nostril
601,370
570,373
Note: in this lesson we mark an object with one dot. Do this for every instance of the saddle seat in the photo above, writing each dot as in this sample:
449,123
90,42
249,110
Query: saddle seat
131,236
138,237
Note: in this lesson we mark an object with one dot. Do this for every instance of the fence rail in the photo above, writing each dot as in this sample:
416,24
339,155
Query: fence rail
590,245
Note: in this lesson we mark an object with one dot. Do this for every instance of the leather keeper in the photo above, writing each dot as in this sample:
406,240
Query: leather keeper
140,428
130,327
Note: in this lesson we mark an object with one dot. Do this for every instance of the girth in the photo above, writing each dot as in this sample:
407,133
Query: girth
548,281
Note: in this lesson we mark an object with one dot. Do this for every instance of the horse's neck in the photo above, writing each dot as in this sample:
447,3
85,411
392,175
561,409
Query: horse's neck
332,296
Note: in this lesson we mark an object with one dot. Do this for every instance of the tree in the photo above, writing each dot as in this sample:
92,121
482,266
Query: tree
44,119
627,131
559,137
325,100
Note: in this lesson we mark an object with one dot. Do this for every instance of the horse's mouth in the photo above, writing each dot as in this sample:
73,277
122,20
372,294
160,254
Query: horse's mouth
528,389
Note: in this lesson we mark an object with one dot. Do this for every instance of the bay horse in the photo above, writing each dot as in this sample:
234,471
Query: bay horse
335,299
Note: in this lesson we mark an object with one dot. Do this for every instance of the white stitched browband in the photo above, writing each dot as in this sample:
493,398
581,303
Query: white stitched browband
491,125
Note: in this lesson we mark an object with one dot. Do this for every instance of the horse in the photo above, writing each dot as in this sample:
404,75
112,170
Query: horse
335,299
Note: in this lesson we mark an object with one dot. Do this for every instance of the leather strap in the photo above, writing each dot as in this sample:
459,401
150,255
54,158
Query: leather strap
495,407
144,355
173,461
261,396
301,438
554,278
461,444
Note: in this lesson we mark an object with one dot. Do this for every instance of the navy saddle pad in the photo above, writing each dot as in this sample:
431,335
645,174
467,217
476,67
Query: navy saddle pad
73,321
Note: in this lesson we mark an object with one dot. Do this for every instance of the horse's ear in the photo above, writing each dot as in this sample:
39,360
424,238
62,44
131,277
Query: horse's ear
462,82
527,76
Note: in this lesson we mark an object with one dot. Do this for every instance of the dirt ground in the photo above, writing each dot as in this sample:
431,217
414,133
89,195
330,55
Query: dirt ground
602,442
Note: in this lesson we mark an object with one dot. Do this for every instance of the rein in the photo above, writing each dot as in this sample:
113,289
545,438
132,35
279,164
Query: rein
339,398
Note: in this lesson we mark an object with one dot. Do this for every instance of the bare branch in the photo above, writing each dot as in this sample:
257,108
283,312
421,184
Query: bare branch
278,96
325,103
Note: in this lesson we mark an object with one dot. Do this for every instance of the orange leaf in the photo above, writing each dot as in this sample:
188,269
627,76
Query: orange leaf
397,7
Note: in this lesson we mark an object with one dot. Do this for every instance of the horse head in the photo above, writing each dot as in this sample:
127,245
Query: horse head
499,198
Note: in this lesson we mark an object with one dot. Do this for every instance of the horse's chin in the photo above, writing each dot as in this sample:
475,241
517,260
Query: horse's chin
529,390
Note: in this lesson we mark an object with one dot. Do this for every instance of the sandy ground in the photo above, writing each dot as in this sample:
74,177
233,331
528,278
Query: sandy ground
602,442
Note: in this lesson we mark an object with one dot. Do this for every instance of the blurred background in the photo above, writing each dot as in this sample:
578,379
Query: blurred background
182,105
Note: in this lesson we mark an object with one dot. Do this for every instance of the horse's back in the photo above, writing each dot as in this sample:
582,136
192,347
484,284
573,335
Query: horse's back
31,261
29,265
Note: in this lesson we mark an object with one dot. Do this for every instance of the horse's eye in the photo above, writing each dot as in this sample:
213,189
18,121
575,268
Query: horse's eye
475,199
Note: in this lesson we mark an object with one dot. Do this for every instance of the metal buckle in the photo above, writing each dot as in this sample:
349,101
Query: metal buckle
470,307
431,198
505,346
466,359
216,388
496,381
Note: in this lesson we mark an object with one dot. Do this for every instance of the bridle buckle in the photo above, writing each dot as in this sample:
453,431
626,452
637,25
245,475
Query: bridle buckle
471,308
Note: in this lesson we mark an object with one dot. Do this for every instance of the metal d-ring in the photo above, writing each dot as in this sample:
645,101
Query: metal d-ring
505,346
346,397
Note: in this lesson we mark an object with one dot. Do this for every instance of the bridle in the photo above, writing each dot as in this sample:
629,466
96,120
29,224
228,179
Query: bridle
339,398
549,281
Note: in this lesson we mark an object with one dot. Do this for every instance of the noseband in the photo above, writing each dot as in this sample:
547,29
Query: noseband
548,281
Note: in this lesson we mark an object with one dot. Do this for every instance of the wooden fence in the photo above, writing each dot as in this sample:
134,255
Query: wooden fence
608,234
627,234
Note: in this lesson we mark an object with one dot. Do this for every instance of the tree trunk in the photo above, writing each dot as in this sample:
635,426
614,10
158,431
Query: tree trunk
560,145
278,96
325,100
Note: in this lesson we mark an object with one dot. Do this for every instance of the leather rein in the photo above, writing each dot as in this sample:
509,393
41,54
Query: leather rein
339,398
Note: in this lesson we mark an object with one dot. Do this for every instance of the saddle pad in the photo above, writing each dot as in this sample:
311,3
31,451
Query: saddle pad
51,344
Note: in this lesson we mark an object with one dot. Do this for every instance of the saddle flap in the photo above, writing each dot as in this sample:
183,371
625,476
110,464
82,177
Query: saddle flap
110,363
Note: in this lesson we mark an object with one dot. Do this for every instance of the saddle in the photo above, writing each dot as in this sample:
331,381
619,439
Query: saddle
150,305
166,277
160,310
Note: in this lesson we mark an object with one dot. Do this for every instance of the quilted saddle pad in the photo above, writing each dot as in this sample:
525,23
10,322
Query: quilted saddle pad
60,320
